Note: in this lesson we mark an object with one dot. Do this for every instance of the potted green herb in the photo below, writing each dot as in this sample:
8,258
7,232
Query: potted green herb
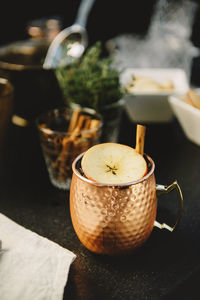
92,81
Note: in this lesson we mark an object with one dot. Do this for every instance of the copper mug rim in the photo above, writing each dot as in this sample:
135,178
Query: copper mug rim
149,173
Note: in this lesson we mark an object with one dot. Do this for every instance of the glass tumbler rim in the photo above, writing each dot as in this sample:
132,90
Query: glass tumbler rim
63,132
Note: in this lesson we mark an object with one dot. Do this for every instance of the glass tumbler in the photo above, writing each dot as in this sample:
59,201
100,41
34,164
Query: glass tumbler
64,134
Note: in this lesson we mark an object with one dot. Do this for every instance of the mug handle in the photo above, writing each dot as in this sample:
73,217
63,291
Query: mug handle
164,189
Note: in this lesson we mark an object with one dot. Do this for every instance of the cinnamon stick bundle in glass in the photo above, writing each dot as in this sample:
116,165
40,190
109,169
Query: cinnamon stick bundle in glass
64,134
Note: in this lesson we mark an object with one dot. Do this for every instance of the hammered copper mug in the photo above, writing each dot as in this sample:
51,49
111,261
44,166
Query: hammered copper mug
116,219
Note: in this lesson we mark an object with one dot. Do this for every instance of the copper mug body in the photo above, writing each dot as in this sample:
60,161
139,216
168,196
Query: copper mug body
116,219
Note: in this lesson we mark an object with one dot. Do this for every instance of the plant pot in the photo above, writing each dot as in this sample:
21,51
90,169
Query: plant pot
111,117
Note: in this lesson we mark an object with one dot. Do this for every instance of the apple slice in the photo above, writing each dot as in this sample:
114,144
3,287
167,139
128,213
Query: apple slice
193,98
113,163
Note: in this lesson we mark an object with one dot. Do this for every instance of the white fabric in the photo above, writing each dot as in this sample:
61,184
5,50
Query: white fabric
31,267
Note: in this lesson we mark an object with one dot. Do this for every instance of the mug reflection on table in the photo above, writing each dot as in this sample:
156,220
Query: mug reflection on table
116,219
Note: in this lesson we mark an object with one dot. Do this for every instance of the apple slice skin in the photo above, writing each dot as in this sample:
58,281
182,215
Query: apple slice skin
113,163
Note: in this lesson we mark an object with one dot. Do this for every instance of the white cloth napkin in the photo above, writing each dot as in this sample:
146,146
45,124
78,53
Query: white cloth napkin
31,267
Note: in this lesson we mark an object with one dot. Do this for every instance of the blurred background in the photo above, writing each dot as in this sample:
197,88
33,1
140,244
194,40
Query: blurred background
106,20
129,23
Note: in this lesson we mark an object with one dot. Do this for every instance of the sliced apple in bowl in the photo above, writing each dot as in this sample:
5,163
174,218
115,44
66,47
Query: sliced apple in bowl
193,98
113,163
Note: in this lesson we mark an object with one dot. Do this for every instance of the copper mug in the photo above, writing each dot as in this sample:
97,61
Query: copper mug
116,219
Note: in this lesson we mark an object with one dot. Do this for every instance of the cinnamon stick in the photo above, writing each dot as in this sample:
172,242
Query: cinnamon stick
140,137
87,123
79,138
68,141
74,119
94,123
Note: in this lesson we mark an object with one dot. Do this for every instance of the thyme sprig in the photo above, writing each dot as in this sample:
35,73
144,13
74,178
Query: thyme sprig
91,81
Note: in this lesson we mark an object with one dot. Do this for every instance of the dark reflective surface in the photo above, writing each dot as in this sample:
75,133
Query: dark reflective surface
166,267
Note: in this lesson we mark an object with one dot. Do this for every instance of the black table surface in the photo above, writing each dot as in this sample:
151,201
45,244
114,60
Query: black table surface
166,267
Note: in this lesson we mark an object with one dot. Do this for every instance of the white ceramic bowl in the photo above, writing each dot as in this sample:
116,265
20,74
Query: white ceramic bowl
188,117
147,106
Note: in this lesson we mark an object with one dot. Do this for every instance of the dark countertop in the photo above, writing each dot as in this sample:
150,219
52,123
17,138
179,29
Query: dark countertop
166,267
